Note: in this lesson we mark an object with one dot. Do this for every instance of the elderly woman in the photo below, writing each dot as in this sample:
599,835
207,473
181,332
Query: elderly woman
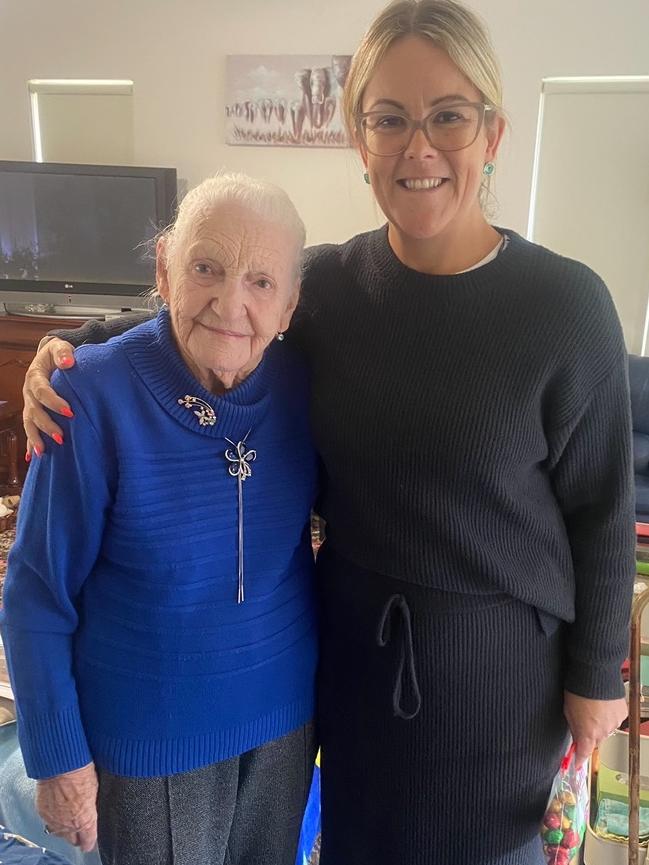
150,651
470,407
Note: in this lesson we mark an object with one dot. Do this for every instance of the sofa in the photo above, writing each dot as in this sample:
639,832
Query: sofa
639,386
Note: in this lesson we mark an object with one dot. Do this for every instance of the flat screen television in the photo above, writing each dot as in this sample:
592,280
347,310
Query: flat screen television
73,238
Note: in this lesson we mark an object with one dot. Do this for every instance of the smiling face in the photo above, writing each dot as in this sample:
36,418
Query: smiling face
424,192
230,288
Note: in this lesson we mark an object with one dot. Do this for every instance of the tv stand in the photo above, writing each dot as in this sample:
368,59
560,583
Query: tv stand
69,313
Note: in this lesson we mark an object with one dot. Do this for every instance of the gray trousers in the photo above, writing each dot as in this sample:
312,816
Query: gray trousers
243,811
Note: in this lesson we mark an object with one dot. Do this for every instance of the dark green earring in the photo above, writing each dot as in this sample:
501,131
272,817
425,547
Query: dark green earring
366,177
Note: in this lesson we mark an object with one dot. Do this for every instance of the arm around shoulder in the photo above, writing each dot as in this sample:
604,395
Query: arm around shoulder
95,332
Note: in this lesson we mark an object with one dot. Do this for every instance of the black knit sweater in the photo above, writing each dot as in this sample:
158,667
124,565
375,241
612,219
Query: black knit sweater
475,432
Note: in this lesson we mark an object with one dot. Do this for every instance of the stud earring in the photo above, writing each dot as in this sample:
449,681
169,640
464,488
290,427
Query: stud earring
488,169
366,177
280,336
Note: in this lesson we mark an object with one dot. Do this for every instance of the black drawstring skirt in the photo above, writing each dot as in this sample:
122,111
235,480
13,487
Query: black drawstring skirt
441,722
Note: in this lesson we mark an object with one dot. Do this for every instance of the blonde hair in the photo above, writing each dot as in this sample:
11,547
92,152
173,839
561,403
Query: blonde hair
449,25
264,199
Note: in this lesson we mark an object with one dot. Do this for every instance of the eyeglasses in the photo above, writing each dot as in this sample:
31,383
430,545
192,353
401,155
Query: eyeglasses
448,128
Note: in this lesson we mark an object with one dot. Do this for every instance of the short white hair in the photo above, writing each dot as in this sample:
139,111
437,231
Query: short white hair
258,196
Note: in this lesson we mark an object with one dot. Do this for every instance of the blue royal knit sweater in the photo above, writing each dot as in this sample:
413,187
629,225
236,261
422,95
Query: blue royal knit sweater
124,639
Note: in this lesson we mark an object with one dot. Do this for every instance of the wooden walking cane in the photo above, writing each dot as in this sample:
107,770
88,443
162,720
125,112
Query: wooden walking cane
639,604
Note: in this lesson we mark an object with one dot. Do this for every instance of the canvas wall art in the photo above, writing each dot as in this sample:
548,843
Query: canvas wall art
286,100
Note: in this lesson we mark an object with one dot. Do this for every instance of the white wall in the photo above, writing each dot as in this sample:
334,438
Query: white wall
174,51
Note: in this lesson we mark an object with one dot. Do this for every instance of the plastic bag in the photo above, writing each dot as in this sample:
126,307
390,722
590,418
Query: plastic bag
311,821
16,850
613,822
564,822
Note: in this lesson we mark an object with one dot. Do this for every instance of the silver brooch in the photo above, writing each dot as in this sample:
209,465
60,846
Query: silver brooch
240,458
203,410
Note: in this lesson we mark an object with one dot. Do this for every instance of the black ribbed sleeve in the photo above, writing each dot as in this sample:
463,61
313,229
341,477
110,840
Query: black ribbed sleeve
96,332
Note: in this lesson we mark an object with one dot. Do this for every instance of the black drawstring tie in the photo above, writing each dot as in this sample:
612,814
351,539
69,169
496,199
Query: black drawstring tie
406,654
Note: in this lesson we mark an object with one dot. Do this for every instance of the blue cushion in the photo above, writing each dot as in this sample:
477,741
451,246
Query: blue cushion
640,453
639,386
642,498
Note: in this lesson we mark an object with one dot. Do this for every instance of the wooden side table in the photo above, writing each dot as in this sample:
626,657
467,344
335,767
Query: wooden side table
19,338
10,419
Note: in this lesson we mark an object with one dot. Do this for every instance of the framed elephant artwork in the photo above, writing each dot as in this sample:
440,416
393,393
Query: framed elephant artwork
286,100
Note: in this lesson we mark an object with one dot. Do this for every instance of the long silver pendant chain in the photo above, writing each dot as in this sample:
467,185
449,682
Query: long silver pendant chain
240,458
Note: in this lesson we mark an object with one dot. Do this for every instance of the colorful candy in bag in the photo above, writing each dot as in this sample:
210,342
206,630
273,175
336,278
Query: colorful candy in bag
564,822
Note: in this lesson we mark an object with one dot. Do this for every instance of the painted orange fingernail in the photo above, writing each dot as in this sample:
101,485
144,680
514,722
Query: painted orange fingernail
65,360
57,438
28,457
67,412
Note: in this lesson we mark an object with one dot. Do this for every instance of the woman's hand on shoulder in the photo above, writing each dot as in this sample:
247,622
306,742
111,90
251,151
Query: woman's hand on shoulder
67,804
591,721
52,354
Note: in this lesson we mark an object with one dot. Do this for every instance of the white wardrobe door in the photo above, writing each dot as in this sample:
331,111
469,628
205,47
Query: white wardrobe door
590,196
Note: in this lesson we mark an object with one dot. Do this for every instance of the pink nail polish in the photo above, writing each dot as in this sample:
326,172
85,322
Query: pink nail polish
67,412
58,438
28,457
65,360
38,452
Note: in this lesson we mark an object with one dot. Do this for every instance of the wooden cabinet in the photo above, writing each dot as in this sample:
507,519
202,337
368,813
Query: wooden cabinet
19,338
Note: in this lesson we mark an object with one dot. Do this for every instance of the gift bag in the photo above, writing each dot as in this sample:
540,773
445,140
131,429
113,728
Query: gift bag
564,822
310,833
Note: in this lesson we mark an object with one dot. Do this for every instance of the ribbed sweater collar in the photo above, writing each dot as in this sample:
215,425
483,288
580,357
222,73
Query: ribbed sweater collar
394,274
152,352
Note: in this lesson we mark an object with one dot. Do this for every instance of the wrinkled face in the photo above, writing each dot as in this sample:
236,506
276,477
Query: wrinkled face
414,77
230,288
